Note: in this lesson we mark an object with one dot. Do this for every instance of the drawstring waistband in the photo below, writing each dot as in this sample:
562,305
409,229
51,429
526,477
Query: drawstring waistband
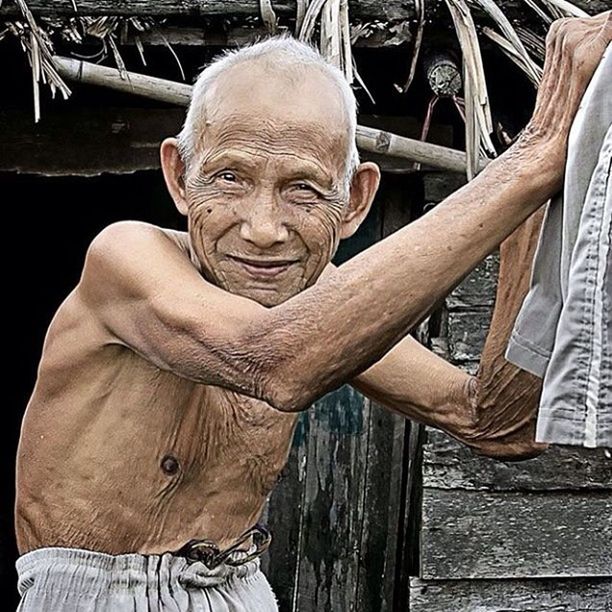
207,552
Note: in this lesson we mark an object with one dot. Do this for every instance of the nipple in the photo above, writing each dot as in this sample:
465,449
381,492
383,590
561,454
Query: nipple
170,465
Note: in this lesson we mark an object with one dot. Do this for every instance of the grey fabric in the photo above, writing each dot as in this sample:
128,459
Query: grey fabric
76,580
563,331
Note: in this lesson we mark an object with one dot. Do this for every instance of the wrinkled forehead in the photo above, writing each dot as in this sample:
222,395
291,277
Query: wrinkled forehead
276,112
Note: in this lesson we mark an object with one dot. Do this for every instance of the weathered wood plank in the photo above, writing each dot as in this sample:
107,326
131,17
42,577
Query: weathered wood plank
388,11
391,10
333,510
102,140
477,290
570,595
377,543
467,332
470,307
450,465
284,516
473,534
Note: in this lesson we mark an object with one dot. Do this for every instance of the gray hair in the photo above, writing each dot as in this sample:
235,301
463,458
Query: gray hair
288,52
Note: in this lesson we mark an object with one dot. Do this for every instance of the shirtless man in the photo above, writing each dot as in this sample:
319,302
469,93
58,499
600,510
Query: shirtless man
172,375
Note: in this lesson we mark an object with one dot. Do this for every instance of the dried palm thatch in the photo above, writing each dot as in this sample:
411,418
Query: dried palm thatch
37,45
330,20
36,40
516,44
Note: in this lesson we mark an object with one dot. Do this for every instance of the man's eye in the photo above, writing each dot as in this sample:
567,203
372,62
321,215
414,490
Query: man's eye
304,187
228,177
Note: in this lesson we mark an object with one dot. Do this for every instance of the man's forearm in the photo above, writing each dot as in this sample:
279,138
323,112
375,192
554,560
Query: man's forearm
349,320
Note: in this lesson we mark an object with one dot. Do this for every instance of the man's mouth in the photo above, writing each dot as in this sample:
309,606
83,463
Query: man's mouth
264,268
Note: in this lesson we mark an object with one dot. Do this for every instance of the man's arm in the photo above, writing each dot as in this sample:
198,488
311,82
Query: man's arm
493,412
153,301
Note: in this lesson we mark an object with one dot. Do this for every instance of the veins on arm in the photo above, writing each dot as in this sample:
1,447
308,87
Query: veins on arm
492,412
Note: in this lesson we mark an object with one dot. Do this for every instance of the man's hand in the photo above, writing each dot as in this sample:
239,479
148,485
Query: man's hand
574,48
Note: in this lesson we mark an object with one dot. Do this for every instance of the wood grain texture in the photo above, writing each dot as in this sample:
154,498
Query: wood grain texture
571,595
477,290
391,10
474,534
350,510
450,465
467,332
118,140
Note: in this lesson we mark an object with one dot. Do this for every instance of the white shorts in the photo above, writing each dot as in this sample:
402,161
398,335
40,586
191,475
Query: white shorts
76,580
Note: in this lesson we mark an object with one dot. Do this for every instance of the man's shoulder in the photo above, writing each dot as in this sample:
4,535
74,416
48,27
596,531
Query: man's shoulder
122,255
132,242
125,234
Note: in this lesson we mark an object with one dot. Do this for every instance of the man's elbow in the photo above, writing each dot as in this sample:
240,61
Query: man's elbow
501,427
269,366
285,398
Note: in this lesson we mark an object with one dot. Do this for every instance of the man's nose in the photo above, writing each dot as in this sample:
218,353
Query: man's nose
262,225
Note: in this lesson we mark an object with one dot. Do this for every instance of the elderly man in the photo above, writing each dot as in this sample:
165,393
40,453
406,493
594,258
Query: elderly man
172,375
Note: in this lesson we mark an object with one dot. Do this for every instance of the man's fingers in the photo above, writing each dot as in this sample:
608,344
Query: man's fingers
574,48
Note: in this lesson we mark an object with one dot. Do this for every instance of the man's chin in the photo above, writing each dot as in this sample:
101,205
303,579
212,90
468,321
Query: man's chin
265,296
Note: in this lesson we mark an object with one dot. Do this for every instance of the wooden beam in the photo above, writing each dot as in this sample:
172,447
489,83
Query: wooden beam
161,90
372,9
86,142
389,10
368,139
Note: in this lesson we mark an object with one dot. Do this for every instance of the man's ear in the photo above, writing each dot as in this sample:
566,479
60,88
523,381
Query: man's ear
173,168
363,189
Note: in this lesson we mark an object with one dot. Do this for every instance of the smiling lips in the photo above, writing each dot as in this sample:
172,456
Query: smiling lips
264,268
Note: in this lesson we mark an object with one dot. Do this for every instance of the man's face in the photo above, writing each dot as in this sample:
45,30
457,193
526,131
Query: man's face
265,191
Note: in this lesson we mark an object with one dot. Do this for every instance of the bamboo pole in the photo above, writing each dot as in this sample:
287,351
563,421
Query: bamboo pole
368,139
128,82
